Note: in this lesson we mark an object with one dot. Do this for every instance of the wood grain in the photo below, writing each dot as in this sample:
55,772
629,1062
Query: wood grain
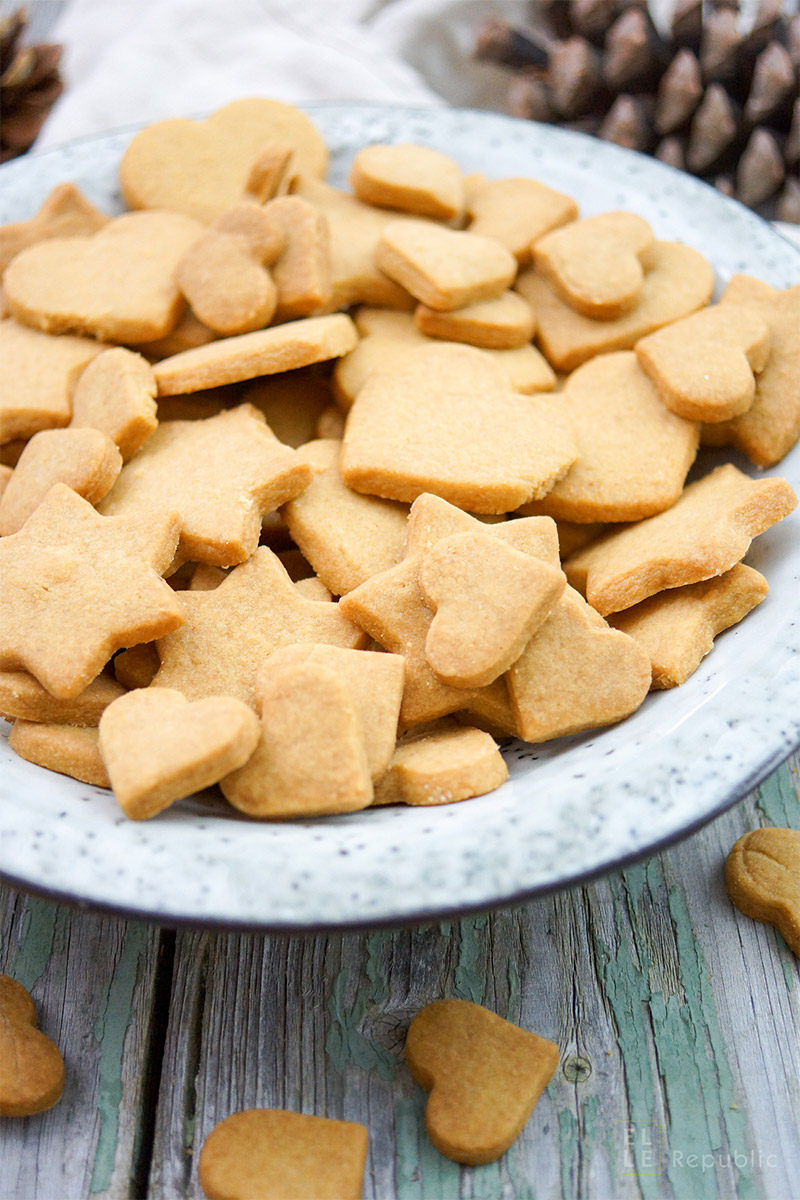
672,1011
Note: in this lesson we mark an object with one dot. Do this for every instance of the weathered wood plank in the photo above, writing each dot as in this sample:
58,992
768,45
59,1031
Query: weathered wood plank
672,1011
93,982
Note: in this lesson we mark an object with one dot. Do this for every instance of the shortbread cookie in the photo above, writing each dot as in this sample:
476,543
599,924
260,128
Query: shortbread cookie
490,709
68,749
488,599
269,174
23,696
484,1075
633,454
221,476
706,532
311,758
203,167
679,282
677,627
572,537
116,394
302,272
375,684
388,335
276,1155
188,334
762,875
517,212
769,429
65,213
597,265
576,674
390,608
86,460
444,268
230,631
31,1066
442,768
137,667
292,403
446,421
116,285
78,586
37,375
499,324
355,230
264,352
704,367
158,747
346,537
415,179
224,273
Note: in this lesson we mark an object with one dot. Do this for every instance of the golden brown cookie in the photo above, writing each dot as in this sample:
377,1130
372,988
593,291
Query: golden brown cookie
302,272
706,532
23,696
37,375
116,394
444,268
78,586
518,212
86,460
31,1066
158,747
499,324
633,454
415,179
677,627
346,537
116,285
203,167
276,1155
446,421
679,282
269,173
762,875
221,476
68,749
484,1075
442,767
264,352
65,213
136,667
704,367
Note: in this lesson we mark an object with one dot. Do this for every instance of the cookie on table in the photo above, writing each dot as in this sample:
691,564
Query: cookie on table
762,877
633,453
200,168
597,266
220,476
116,285
705,366
446,421
37,375
705,533
500,324
444,268
680,281
517,212
345,536
442,767
68,749
415,179
116,394
65,213
31,1066
677,627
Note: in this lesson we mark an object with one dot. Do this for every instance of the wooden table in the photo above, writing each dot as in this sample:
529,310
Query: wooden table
677,1017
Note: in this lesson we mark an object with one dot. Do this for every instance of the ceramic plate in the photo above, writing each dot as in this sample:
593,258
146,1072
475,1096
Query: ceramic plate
571,808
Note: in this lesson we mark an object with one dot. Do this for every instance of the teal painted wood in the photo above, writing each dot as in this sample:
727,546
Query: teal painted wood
92,982
678,1021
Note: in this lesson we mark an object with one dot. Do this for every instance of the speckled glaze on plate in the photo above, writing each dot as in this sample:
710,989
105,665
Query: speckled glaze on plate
572,808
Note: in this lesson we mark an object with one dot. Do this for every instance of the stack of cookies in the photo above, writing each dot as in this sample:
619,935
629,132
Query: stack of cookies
315,494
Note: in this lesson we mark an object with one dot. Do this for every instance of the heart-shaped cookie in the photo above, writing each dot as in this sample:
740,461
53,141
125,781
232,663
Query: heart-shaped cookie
488,599
31,1066
116,285
484,1075
159,747
762,875
202,167
597,266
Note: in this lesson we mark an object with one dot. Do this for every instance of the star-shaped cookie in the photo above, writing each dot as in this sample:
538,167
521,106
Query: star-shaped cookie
78,586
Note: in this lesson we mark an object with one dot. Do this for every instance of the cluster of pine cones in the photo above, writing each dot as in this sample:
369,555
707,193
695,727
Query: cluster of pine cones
717,93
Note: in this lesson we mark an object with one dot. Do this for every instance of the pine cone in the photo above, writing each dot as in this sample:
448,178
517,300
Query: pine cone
706,95
29,86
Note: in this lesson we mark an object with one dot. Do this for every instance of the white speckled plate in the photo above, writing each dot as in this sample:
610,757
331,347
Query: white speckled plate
571,808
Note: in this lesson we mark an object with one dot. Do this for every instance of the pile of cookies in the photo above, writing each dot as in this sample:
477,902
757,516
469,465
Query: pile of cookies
313,494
